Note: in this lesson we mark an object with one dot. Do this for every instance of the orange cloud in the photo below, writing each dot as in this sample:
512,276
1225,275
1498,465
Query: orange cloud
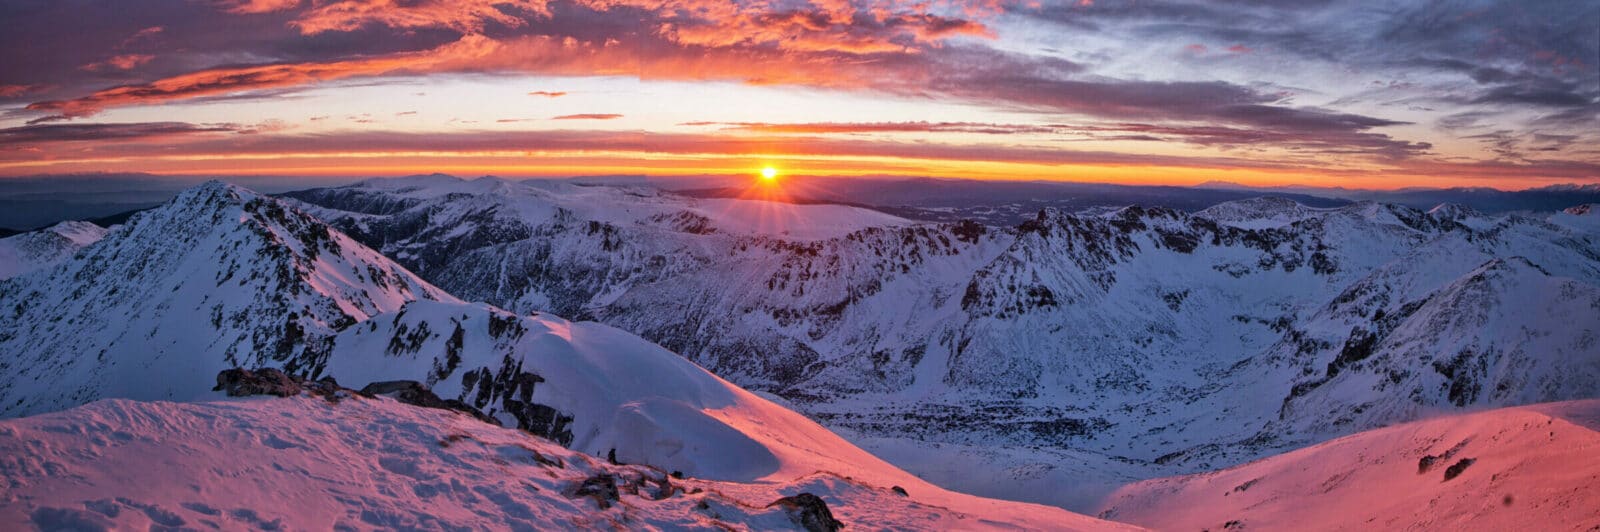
237,79
120,62
589,116
548,94
14,91
248,7
461,15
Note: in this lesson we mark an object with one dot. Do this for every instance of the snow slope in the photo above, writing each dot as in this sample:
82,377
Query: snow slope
303,463
617,392
219,277
1523,468
34,250
1584,217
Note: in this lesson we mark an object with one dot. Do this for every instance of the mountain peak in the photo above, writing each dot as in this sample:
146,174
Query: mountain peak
219,276
1453,211
1259,212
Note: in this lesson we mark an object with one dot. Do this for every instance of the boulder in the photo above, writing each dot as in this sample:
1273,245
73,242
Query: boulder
262,381
810,512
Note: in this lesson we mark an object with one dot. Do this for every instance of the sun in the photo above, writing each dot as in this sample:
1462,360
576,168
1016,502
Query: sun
769,173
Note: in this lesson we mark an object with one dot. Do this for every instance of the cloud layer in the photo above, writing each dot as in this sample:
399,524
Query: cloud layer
1472,86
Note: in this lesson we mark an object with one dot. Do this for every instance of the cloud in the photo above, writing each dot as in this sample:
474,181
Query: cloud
399,145
877,127
1517,61
470,16
588,116
119,62
223,81
393,142
249,7
143,34
17,91
36,134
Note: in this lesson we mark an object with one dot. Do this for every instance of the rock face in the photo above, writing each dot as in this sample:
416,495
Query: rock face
809,512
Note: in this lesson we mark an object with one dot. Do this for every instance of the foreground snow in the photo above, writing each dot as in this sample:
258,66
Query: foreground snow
304,463
1522,468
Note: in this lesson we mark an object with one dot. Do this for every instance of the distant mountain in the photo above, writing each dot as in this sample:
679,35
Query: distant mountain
32,202
1493,201
1145,340
33,250
999,202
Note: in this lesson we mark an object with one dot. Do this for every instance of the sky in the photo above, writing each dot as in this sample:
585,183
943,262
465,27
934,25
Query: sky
1380,94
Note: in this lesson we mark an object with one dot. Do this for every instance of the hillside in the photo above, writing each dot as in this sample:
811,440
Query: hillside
306,463
1523,468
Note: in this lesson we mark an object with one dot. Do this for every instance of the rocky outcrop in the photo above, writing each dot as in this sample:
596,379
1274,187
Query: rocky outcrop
415,393
809,511
264,381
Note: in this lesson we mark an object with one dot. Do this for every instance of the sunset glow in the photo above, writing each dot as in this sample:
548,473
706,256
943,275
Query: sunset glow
1482,93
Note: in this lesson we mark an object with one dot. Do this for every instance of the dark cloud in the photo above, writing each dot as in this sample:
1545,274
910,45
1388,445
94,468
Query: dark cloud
1534,95
35,134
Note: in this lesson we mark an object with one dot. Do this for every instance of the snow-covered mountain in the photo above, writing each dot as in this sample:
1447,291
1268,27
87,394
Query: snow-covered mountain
305,463
1584,217
218,277
221,277
33,250
1151,340
1259,213
1523,468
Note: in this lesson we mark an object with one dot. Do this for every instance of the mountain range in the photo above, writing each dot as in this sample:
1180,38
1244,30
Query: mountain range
1156,340
1104,346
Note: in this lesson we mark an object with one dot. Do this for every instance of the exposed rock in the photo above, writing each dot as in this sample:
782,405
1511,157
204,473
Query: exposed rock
1426,463
263,381
602,488
810,512
415,393
900,490
1455,469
